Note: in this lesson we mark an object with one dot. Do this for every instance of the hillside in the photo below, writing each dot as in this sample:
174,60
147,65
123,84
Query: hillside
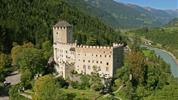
119,15
32,21
166,36
173,23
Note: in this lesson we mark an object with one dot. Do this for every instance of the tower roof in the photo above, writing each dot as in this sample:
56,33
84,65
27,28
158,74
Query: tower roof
62,24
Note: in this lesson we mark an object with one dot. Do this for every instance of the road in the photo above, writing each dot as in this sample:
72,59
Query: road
13,78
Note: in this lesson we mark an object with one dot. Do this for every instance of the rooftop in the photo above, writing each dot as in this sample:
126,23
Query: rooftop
62,24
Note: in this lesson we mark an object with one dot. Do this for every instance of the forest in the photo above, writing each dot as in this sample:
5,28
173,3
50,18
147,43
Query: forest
26,46
32,21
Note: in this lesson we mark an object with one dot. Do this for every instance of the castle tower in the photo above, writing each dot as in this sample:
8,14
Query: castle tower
62,44
62,32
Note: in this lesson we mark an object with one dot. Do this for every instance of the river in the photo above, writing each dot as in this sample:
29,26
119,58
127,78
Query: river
168,58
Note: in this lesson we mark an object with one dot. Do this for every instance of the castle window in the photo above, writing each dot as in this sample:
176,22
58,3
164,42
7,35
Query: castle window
109,55
78,59
96,61
99,68
92,55
84,67
85,54
66,51
100,62
56,32
104,52
107,69
107,63
78,53
96,55
89,61
105,55
93,61
83,60
100,55
89,67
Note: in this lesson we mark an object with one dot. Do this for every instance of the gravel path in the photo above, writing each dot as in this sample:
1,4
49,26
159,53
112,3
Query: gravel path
13,78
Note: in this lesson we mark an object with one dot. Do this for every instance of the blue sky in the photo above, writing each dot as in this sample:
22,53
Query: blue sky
159,4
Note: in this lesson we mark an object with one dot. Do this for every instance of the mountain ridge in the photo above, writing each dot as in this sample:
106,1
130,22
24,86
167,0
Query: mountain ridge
124,16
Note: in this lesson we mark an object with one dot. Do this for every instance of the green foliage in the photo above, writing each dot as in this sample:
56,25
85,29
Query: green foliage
47,49
17,49
85,82
62,83
168,92
166,37
96,83
149,78
117,83
23,21
45,88
14,94
5,63
29,60
173,23
75,84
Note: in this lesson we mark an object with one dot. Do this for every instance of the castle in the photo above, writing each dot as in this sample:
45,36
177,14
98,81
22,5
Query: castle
84,59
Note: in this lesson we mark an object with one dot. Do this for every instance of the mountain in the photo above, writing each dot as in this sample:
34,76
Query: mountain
173,23
120,15
32,21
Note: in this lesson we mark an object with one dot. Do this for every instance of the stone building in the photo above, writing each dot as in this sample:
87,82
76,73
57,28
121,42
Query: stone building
83,58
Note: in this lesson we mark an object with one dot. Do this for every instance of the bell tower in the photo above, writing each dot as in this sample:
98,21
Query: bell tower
62,32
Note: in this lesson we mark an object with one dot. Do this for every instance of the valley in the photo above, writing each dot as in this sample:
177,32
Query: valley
87,50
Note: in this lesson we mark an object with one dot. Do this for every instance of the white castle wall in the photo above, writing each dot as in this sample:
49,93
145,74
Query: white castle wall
82,58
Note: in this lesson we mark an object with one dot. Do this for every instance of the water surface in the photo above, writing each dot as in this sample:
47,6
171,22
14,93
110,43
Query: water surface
168,59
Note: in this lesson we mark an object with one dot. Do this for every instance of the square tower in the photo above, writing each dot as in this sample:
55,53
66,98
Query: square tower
62,32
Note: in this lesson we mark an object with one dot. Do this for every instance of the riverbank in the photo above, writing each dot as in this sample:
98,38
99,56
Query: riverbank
168,57
171,54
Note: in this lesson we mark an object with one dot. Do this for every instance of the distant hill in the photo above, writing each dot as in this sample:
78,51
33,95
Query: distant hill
173,23
120,15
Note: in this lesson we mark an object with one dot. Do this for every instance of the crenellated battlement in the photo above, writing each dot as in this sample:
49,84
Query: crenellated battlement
69,44
94,47
115,45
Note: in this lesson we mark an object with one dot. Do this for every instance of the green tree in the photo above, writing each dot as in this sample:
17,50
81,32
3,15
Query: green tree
5,63
46,88
91,41
31,62
137,66
47,49
14,94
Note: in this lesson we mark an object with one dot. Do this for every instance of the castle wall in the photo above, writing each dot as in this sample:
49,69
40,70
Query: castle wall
94,59
83,59
64,56
118,56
